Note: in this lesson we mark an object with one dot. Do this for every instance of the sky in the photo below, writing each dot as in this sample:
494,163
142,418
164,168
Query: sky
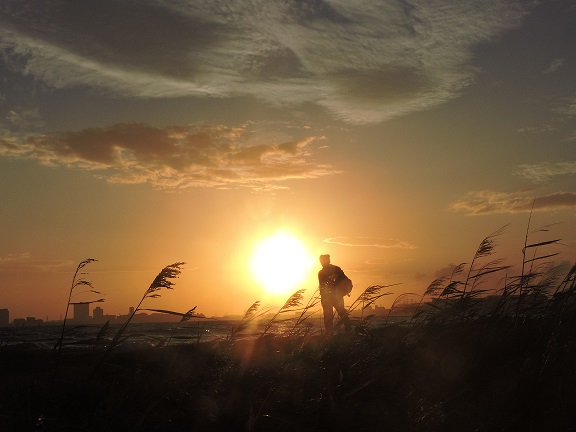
392,135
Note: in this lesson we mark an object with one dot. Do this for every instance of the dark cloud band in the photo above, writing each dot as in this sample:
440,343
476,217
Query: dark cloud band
173,157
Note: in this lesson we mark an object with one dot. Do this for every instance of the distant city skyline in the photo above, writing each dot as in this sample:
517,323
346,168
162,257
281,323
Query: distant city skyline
99,317
81,316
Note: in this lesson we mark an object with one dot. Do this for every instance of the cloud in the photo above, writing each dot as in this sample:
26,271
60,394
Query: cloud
14,257
24,262
488,202
544,129
175,157
543,172
22,120
370,242
557,127
555,65
364,61
566,107
378,261
446,271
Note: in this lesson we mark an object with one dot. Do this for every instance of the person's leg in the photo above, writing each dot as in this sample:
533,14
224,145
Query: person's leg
342,312
328,313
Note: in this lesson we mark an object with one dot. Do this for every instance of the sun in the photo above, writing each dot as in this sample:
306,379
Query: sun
280,263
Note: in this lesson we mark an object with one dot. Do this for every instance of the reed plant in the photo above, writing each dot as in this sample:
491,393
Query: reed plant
531,294
184,317
252,314
299,328
455,299
398,301
291,305
366,298
474,372
163,281
461,364
369,296
78,280
538,274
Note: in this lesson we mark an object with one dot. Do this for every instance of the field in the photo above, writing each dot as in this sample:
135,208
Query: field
464,361
483,374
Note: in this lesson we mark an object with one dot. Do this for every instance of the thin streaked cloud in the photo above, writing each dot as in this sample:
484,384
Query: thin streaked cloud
363,61
546,171
22,120
566,107
489,202
555,65
370,242
25,262
11,257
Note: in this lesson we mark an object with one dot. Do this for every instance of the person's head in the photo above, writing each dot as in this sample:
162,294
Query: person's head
324,260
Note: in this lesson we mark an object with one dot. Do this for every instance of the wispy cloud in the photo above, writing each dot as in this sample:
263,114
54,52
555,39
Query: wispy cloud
488,202
175,157
25,262
11,257
563,110
546,171
566,107
22,120
364,61
555,65
370,242
446,271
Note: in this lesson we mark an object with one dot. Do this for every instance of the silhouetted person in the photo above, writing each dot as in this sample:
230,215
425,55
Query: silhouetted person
331,297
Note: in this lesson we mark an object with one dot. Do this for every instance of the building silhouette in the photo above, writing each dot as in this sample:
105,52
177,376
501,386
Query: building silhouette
98,314
81,312
28,322
4,318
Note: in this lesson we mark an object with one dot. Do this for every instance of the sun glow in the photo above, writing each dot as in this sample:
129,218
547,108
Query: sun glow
280,263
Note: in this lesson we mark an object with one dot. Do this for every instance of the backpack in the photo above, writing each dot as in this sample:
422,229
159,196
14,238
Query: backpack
344,286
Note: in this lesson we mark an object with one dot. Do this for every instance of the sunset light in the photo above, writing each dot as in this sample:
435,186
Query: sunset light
288,214
280,263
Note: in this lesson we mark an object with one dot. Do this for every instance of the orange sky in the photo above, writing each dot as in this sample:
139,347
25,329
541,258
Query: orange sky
393,138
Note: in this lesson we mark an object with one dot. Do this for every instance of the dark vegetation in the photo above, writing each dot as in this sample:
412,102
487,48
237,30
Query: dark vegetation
461,362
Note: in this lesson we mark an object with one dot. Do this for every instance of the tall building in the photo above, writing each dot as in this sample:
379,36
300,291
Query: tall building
98,315
81,312
4,318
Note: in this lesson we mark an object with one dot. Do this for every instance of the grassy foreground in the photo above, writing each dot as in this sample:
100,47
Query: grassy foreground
485,374
470,359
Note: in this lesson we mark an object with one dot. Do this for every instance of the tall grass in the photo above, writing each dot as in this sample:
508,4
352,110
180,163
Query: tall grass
78,280
291,305
464,365
306,312
252,314
454,299
462,295
163,281
531,294
366,298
